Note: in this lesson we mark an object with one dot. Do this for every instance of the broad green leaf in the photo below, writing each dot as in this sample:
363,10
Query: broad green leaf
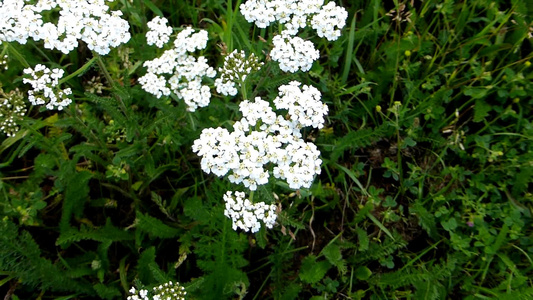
312,271
481,110
476,93
363,273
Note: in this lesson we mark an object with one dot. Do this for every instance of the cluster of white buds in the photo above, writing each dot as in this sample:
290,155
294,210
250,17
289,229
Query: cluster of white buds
12,109
262,137
247,215
86,20
234,72
291,52
185,71
45,87
168,291
159,33
3,62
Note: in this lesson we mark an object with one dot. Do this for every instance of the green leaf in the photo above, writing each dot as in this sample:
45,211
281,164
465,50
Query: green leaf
333,254
409,142
155,227
481,110
261,237
312,271
77,192
476,93
103,234
148,269
500,239
194,208
363,273
107,292
21,256
363,239
449,225
355,140
425,219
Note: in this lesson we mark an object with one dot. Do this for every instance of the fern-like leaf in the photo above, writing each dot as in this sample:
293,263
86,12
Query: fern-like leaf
155,227
20,255
103,234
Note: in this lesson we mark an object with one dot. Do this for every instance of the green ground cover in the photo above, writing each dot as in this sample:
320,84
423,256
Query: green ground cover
423,188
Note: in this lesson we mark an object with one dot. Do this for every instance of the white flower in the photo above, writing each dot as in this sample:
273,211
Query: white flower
329,21
159,32
166,291
246,215
45,88
185,71
262,137
304,105
88,20
293,53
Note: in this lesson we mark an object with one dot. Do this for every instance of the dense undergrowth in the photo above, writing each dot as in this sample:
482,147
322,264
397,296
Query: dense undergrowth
425,183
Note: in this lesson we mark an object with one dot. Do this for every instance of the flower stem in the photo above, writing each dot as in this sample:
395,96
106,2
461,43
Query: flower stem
251,197
78,71
103,68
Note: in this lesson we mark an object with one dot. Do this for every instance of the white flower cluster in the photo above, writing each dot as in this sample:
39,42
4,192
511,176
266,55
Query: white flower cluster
45,87
293,53
327,20
262,137
168,291
186,71
247,215
234,72
159,32
12,109
304,105
87,20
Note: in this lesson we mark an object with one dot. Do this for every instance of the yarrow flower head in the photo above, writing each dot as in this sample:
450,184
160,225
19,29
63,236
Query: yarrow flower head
167,291
303,104
44,83
263,137
329,21
12,109
86,20
235,70
246,215
159,33
265,12
293,53
185,71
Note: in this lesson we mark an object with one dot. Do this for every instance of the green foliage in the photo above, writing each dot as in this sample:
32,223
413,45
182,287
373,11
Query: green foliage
155,227
313,271
20,257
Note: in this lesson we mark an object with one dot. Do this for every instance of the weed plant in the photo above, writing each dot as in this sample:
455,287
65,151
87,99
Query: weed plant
424,182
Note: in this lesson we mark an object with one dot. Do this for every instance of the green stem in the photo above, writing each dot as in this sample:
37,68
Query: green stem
78,71
243,90
251,197
18,56
103,68
399,154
